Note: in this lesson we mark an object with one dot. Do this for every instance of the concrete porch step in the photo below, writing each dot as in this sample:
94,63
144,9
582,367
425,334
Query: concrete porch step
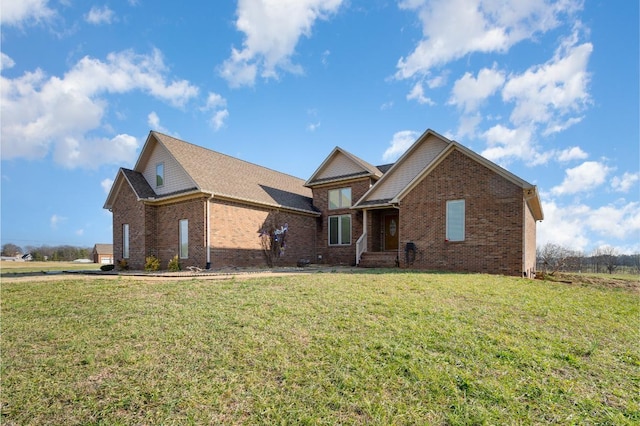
378,259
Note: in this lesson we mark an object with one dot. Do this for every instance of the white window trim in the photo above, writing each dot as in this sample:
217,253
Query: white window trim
340,216
183,239
454,215
125,240
339,191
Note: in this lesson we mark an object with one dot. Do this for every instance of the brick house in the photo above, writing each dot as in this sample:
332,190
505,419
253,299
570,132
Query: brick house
441,206
102,253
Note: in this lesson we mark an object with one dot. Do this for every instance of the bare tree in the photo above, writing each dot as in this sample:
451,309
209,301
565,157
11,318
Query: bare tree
11,250
609,257
553,257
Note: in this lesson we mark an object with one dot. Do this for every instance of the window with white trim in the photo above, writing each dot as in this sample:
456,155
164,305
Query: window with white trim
339,198
340,230
125,240
160,174
455,220
184,239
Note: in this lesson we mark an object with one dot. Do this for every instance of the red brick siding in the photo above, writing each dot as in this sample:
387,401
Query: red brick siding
235,235
529,243
336,255
494,219
127,209
168,232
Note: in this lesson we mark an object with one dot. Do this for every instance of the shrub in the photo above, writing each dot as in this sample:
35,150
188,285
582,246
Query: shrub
152,263
123,265
174,264
107,267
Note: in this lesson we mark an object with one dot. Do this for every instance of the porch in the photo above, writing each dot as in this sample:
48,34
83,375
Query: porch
378,246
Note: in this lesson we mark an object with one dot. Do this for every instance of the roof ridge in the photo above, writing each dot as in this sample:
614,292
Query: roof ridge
227,155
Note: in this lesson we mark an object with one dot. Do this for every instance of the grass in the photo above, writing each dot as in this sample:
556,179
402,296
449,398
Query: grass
10,268
402,348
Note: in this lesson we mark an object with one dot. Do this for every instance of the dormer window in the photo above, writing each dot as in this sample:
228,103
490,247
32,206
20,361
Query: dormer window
339,198
159,174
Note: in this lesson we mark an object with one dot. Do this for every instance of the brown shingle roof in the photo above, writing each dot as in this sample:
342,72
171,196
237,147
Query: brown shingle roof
103,248
230,177
138,183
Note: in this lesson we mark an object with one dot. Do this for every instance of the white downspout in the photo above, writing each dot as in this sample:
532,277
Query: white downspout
208,235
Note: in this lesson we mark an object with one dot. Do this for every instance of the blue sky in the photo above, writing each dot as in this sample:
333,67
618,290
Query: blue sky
547,89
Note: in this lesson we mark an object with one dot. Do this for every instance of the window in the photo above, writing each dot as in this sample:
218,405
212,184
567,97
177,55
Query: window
339,198
340,230
159,174
455,220
184,239
125,241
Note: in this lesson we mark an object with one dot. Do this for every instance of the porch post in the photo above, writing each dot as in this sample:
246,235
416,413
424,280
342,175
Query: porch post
364,226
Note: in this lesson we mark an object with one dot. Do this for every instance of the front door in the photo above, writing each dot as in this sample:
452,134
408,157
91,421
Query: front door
391,228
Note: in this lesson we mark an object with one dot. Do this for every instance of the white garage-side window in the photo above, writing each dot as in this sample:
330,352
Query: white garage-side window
125,240
184,239
455,220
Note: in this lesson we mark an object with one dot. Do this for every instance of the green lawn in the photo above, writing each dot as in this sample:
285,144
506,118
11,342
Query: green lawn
9,268
324,348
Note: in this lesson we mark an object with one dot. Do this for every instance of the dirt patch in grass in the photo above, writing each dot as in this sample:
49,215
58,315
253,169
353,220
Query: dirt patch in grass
596,280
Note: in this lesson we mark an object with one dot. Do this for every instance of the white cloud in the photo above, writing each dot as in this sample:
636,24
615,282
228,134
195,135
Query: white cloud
313,126
582,178
154,122
545,96
80,232
55,220
272,29
581,227
214,100
106,185
454,28
469,92
620,221
550,94
42,114
467,126
625,182
6,62
570,154
563,225
92,152
219,118
399,144
100,15
417,94
216,103
18,12
437,81
504,142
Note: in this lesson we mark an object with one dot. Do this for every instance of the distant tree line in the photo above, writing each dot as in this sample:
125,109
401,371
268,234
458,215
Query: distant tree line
552,258
53,253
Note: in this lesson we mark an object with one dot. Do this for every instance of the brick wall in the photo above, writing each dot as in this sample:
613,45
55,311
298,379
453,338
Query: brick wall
494,219
168,217
529,243
127,209
235,230
344,254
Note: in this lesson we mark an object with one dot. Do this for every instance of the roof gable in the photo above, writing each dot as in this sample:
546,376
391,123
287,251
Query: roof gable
341,165
530,191
135,180
420,159
215,174
402,172
176,179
